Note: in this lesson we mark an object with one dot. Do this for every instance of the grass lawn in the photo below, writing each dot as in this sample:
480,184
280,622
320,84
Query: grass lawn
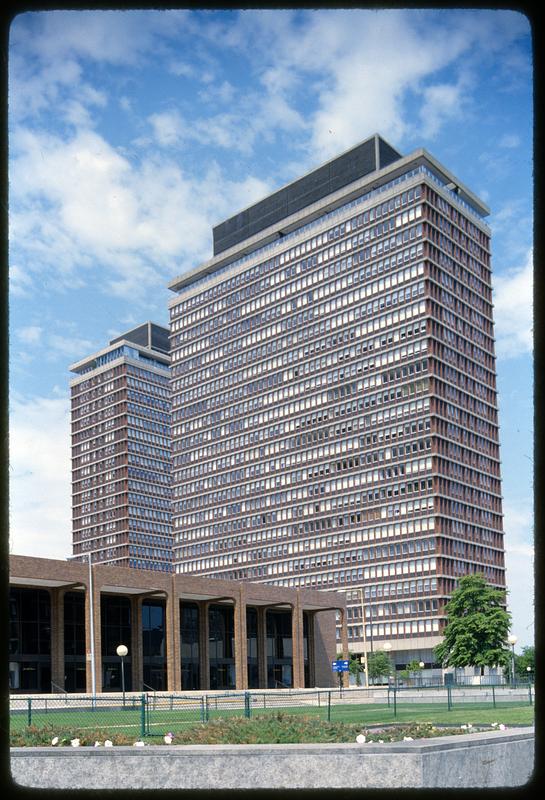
129,721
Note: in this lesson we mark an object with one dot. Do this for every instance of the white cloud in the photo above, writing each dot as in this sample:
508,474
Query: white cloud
82,211
40,477
168,128
509,141
181,69
113,37
357,70
69,346
20,283
513,310
223,93
32,90
440,103
32,334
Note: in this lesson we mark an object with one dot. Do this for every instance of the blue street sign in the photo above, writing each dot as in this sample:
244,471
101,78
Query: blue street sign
340,665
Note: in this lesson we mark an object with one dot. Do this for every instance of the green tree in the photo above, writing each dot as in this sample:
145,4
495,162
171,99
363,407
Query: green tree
355,667
526,659
411,669
379,665
477,626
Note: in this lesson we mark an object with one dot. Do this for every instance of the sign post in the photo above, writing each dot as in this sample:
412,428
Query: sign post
340,666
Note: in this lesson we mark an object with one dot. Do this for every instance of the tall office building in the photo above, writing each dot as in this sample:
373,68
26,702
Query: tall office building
334,411
121,477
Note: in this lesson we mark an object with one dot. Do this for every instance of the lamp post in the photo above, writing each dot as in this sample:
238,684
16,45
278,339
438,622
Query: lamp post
387,647
421,665
92,627
122,651
512,639
366,665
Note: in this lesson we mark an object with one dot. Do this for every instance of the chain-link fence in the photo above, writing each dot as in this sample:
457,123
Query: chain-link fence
142,715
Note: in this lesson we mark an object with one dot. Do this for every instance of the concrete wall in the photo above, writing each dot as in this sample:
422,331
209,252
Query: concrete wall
498,759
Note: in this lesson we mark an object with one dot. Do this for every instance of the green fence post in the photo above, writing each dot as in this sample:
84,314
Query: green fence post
329,706
395,701
29,711
530,693
449,698
247,700
206,709
202,710
493,696
143,715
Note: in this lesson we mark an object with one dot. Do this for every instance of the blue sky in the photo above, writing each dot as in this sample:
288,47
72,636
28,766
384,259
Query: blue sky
132,133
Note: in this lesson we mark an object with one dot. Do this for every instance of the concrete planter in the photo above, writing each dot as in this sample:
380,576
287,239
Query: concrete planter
498,759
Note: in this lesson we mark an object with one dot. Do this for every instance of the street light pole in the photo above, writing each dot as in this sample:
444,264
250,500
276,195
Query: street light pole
512,639
122,651
387,647
364,640
92,626
421,665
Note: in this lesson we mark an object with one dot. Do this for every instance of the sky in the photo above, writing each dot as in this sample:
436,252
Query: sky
133,133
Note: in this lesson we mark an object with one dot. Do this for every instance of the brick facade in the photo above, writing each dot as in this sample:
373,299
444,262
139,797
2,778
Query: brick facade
58,577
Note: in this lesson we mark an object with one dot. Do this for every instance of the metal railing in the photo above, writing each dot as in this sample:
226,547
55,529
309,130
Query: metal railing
154,715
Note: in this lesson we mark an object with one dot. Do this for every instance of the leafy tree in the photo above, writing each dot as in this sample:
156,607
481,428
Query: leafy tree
477,626
411,669
523,661
355,667
379,665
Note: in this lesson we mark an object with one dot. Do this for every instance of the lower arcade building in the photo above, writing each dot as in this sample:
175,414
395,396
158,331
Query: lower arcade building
181,632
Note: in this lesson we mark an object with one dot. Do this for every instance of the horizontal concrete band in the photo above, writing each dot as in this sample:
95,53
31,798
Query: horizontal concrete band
498,759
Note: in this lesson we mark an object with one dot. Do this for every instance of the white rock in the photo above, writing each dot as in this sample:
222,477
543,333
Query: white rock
74,742
139,744
108,743
98,744
361,739
502,727
55,740
408,739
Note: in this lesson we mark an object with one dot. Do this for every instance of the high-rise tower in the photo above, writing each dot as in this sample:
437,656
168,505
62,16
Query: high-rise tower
334,416
121,477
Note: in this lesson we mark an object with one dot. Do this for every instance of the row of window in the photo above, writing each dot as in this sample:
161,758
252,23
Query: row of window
306,489
295,361
330,556
329,542
258,270
368,514
370,400
299,287
407,628
360,333
205,338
